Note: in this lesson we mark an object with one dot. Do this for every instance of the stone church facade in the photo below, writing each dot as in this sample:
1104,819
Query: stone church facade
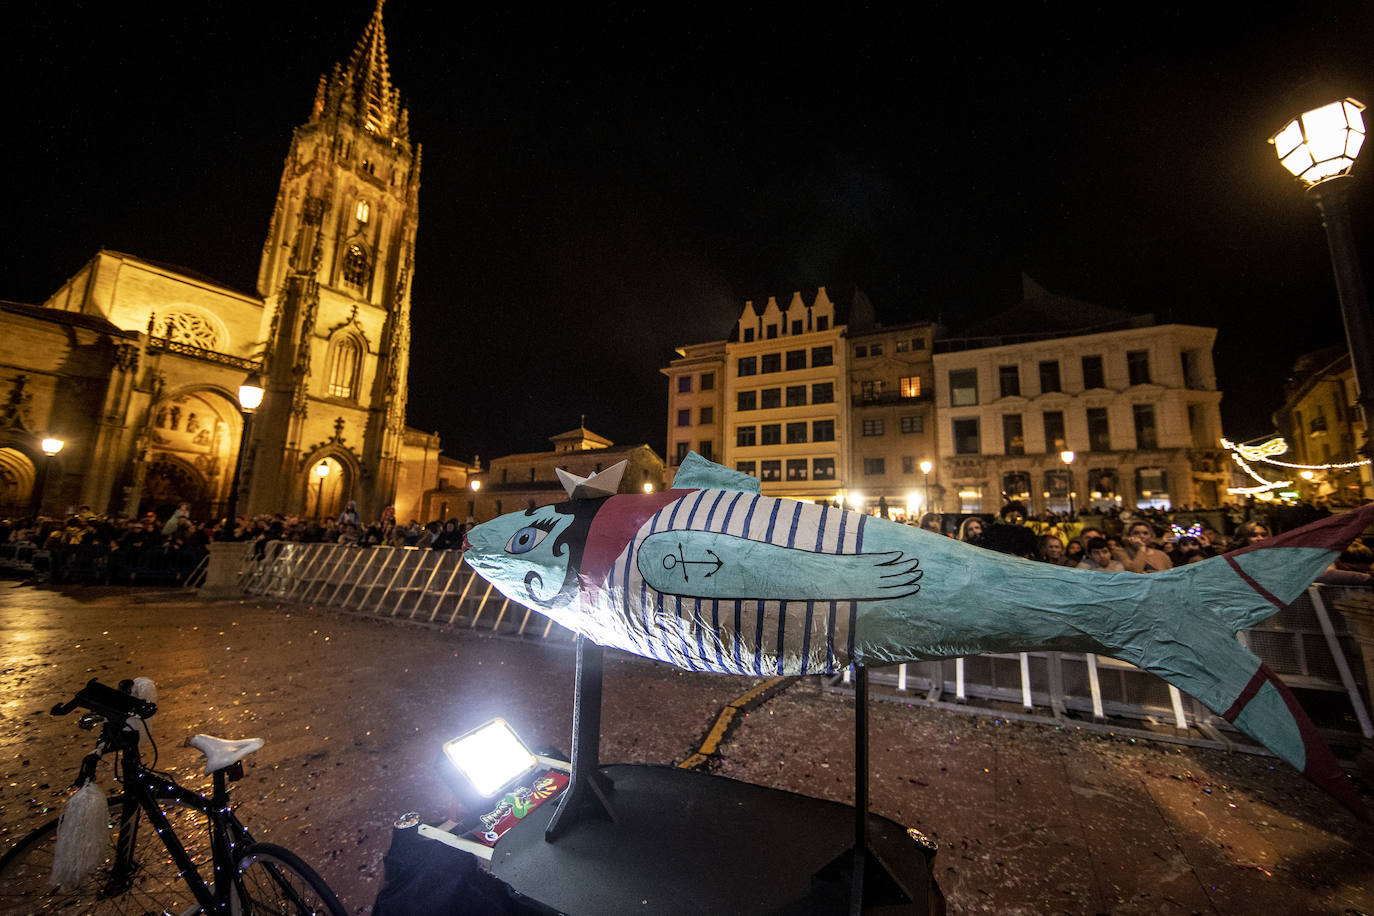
136,365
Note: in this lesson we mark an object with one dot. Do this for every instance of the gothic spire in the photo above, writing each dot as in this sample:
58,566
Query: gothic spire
362,89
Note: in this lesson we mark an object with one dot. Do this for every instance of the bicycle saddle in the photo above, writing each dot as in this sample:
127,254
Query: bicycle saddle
220,753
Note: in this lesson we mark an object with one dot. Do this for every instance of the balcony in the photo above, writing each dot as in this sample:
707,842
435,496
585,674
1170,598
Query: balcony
890,399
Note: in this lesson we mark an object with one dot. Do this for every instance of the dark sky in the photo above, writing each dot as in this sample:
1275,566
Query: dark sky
599,187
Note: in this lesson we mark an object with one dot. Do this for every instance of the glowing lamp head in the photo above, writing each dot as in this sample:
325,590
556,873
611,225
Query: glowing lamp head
250,393
927,467
1322,144
856,501
475,484
322,470
648,488
490,757
1066,456
51,446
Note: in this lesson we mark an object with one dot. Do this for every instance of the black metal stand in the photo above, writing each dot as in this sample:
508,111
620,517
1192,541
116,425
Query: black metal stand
588,787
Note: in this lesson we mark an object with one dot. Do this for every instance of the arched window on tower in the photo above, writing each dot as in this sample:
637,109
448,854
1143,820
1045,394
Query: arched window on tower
362,211
345,357
356,265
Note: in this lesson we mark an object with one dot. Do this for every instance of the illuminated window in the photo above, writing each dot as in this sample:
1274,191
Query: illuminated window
822,468
796,468
345,357
911,386
362,211
771,470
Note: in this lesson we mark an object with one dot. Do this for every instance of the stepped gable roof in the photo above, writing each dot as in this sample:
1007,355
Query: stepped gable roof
852,307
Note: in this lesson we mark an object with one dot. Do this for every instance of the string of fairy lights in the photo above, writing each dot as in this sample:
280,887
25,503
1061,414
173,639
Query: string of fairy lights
1266,453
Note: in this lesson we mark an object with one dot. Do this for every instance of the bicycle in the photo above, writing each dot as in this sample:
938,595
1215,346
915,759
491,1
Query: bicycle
162,837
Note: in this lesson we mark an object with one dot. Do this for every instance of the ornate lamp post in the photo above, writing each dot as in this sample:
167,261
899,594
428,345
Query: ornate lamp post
1319,147
926,467
321,472
1067,457
250,396
50,445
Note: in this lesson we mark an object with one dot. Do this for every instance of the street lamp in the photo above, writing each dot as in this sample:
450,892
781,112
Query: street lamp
476,485
926,467
321,472
1319,147
250,398
1067,457
50,445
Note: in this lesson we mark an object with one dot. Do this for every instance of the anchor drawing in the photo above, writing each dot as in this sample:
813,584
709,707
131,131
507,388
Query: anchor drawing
671,562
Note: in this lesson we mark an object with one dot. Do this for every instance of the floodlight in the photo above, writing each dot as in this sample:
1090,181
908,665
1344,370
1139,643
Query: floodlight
490,757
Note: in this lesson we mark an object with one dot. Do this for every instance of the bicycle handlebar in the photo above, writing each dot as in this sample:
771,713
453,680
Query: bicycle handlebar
114,704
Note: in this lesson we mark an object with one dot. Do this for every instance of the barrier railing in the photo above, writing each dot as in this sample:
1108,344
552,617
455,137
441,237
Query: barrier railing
1304,644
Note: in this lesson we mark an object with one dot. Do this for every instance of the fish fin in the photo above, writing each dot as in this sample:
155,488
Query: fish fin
698,473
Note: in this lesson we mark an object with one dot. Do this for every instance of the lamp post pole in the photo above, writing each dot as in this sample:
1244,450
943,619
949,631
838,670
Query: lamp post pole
926,467
250,396
321,472
50,446
1067,457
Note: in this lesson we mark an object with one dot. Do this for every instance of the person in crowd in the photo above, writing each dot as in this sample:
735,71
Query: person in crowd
1187,549
350,516
1138,552
1246,534
1073,552
933,521
1098,556
971,531
1017,540
450,536
1050,549
1013,513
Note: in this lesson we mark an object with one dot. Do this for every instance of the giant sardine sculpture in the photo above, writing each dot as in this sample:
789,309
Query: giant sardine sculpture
712,576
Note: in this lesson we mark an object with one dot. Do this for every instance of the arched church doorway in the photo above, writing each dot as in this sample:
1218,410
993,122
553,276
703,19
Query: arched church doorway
328,485
17,479
194,438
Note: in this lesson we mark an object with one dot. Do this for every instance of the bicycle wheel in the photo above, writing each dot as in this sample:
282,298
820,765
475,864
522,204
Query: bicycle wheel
273,880
153,886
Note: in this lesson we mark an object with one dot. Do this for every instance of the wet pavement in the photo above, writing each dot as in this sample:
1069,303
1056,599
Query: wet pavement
1029,818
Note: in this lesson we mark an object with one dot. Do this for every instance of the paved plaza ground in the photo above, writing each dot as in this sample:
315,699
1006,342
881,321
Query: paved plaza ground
1029,818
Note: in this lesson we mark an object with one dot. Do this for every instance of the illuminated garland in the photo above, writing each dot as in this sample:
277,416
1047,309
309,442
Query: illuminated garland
1265,452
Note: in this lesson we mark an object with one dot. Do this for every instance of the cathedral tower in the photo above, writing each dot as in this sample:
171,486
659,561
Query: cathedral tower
335,276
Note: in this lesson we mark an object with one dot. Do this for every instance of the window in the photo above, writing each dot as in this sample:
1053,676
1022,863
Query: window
747,467
770,362
796,395
708,381
1192,369
1009,381
903,345
708,415
1138,366
771,470
875,349
823,393
747,365
797,326
873,427
684,384
796,468
772,332
1049,376
796,432
822,430
1145,434
343,367
1016,487
1099,433
770,397
684,417
823,323
1054,431
966,436
682,448
908,464
796,359
1013,435
875,466
748,335
1151,488
822,356
911,386
746,400
822,468
963,387
970,499
362,211
770,434
860,351
1092,373
746,435
913,424
355,265
872,390
705,448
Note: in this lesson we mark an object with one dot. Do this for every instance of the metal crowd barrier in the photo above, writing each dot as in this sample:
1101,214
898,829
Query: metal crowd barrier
431,587
1304,644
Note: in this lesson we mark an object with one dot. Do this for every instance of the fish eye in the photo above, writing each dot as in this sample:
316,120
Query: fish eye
525,540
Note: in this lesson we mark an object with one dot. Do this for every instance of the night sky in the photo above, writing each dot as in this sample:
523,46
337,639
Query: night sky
600,187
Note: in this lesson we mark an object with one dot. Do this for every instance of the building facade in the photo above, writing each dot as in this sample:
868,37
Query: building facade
1320,420
1137,408
696,402
136,365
